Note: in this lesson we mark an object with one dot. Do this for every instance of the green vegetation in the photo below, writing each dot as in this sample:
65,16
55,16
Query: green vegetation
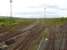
53,21
9,21
10,24
25,22
49,23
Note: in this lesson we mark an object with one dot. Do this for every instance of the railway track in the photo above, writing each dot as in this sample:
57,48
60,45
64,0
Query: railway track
24,44
6,30
7,35
23,37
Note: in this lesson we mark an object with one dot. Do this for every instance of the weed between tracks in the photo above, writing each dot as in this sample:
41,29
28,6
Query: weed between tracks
8,24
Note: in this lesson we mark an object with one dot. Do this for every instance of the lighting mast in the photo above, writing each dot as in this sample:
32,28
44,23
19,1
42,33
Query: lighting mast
11,8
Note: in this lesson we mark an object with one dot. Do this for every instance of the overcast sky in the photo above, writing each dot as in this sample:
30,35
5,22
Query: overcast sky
34,8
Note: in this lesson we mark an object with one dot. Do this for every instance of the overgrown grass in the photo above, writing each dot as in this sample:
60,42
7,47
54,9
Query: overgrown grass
54,21
14,21
12,24
23,22
49,23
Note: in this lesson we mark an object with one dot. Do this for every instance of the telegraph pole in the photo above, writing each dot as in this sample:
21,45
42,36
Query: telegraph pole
11,8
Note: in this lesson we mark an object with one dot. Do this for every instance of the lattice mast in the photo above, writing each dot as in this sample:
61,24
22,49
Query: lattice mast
11,8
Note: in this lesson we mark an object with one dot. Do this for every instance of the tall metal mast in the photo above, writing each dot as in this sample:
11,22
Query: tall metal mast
11,8
45,12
